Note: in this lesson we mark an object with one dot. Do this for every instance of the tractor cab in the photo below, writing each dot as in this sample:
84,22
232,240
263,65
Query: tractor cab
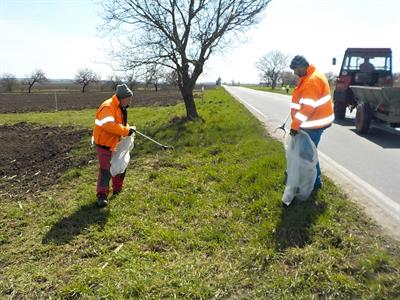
363,67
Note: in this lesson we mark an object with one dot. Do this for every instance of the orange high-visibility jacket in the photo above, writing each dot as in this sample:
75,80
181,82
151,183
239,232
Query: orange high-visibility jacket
311,105
109,127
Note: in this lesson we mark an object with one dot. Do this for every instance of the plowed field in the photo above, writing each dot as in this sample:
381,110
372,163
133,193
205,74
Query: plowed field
24,102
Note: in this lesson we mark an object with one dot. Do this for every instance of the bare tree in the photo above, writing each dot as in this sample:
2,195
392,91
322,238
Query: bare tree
331,78
37,76
179,34
154,73
131,79
8,80
114,80
271,66
288,78
85,77
171,78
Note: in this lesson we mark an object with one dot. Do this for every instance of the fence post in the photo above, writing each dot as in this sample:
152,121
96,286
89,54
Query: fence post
55,99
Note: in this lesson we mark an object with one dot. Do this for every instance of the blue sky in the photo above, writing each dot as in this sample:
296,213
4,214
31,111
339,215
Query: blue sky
60,36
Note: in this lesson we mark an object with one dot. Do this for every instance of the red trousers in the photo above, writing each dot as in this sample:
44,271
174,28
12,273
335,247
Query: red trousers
103,179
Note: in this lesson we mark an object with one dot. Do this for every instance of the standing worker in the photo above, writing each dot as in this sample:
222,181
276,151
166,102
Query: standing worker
110,125
311,107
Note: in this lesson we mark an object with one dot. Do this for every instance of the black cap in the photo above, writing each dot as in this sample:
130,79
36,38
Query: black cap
299,61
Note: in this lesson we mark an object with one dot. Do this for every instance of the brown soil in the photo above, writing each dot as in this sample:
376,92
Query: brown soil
34,157
24,102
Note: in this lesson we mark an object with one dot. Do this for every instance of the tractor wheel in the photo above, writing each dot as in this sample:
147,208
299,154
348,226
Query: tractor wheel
363,118
339,109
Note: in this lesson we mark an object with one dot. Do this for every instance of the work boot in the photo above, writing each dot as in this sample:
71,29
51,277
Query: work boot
102,201
115,194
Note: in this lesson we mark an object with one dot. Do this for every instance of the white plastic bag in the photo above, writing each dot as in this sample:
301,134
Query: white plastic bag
301,161
121,156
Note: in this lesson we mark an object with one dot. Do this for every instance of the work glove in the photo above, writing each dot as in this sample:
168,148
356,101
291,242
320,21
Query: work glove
293,132
132,130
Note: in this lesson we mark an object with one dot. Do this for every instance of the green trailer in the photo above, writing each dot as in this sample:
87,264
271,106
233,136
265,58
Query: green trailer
381,104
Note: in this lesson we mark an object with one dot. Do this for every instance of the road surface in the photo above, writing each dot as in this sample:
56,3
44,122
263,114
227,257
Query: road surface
366,167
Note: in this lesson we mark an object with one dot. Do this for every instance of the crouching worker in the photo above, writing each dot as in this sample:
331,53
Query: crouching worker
110,125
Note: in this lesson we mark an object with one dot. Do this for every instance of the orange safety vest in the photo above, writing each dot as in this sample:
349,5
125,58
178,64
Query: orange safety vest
109,127
311,105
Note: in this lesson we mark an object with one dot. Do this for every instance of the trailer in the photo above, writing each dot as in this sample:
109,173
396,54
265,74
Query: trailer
381,104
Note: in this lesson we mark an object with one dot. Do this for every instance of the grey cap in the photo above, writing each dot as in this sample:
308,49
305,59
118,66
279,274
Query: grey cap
299,61
123,91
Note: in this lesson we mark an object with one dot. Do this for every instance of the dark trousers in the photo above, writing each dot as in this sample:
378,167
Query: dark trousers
315,135
103,179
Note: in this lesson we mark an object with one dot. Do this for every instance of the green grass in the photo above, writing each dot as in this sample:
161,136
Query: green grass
202,221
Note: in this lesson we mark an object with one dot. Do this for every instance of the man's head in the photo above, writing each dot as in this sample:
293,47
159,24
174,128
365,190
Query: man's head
299,65
124,94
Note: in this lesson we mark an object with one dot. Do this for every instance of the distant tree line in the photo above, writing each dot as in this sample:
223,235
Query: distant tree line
273,71
153,76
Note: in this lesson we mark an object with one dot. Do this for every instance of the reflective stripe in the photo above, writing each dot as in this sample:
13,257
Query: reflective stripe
92,142
300,117
307,101
315,103
104,121
295,106
323,100
318,123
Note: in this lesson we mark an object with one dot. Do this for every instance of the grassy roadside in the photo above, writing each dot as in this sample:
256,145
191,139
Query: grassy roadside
203,221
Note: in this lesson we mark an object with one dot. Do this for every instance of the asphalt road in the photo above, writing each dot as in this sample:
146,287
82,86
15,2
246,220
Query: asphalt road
366,166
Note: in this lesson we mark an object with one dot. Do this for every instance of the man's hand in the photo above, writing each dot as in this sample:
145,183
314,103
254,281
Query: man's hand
131,130
293,132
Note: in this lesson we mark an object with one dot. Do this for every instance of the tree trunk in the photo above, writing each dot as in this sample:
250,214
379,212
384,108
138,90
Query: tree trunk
191,111
30,87
187,84
273,85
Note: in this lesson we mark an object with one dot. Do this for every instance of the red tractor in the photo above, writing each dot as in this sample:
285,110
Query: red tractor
361,67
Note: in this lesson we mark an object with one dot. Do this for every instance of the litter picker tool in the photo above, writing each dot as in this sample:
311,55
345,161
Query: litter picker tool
282,127
164,147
